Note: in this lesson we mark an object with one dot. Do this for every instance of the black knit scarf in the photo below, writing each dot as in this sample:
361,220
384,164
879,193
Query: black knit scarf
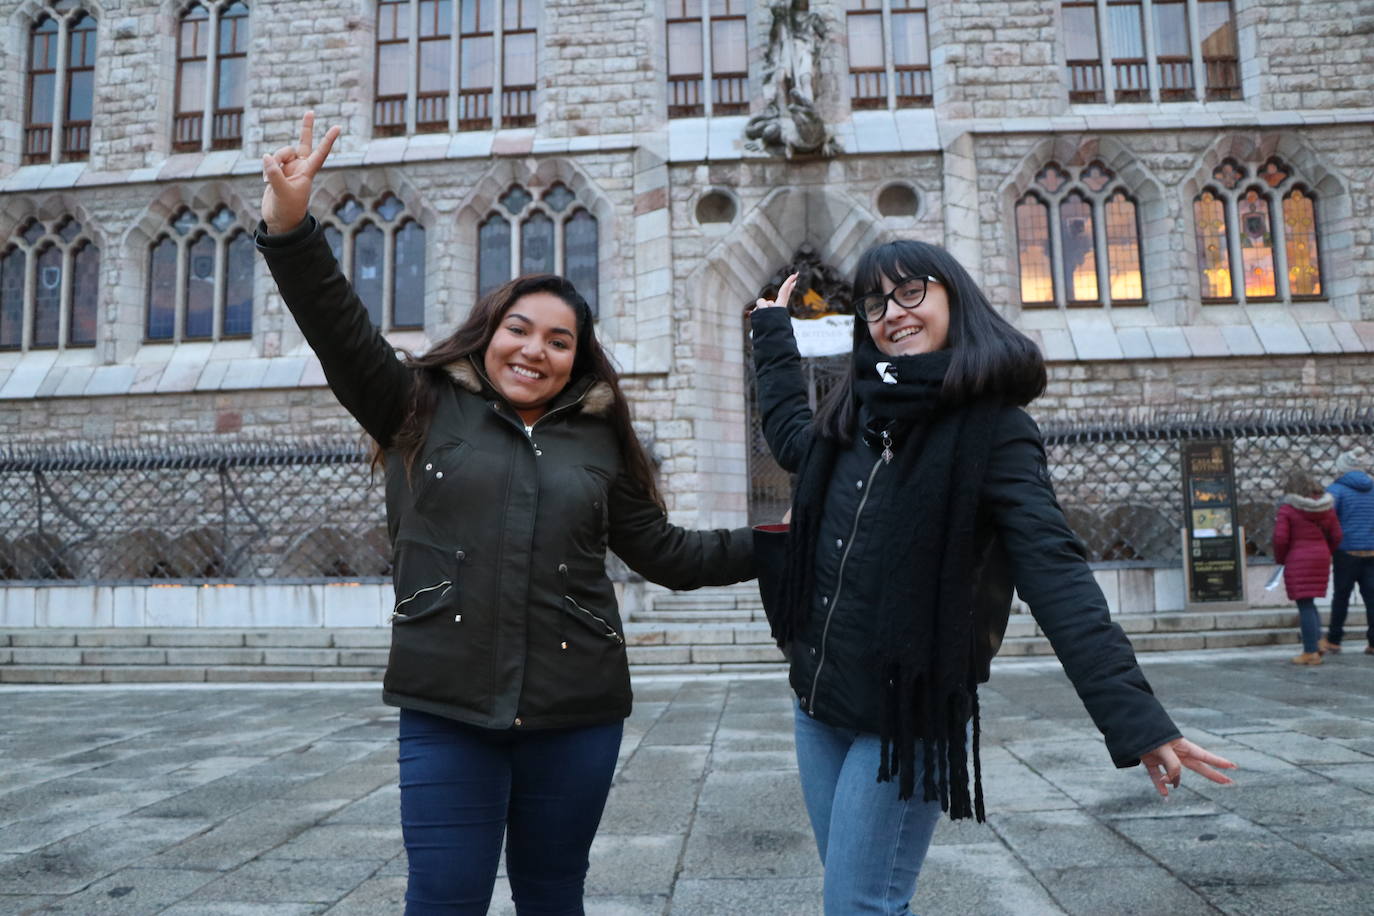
925,656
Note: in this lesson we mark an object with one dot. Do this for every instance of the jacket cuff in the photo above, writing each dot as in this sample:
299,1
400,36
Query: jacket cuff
1126,761
284,241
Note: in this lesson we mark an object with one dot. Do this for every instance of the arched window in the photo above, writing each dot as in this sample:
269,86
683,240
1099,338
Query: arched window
200,279
549,234
61,51
212,71
49,287
380,247
477,73
1265,220
898,57
693,62
1078,239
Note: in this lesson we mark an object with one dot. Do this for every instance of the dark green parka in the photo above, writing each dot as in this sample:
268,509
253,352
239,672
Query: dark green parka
504,614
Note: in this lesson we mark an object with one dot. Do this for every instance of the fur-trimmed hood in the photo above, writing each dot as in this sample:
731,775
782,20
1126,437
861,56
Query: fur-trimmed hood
596,401
1306,504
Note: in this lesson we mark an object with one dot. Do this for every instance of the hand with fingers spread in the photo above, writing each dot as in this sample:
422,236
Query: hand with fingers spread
784,293
1165,764
289,174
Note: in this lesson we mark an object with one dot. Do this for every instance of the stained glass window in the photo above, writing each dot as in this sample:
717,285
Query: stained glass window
1080,248
1213,253
1033,248
1300,228
1123,249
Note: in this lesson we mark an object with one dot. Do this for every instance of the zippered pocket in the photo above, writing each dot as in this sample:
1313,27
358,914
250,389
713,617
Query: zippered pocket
598,625
430,600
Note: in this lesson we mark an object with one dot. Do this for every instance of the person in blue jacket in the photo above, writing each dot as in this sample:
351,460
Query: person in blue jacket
1353,562
922,497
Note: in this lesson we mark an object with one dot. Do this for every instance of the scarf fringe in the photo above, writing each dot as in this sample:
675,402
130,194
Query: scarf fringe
912,713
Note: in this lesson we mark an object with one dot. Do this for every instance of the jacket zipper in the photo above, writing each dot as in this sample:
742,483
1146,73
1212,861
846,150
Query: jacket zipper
839,576
447,585
610,632
396,611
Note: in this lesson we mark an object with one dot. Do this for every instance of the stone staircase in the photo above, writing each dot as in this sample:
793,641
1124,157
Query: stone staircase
681,633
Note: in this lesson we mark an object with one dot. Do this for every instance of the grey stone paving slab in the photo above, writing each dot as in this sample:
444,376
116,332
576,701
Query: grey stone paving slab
288,881
983,878
1122,892
284,800
747,896
136,891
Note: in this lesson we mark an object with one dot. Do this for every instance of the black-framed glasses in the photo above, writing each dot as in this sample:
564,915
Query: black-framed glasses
908,292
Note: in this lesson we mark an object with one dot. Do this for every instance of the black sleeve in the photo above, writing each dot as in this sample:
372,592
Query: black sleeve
361,367
1051,574
781,389
679,558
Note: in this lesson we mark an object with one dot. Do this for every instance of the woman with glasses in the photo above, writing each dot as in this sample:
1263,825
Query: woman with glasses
922,498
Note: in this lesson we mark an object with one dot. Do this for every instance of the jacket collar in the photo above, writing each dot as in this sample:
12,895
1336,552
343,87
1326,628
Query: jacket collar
1326,501
596,395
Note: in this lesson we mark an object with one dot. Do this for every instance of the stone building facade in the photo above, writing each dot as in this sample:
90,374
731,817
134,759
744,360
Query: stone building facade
690,224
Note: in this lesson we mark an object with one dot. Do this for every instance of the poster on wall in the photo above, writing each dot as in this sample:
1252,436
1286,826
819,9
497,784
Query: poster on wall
1213,550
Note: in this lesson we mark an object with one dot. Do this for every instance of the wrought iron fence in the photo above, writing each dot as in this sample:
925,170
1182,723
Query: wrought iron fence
312,511
192,512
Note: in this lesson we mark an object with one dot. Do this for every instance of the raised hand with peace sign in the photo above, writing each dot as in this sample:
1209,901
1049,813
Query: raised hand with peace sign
290,174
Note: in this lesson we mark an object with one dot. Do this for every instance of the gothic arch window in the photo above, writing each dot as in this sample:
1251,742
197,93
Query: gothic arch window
436,75
1150,50
889,53
380,247
722,63
49,287
212,76
60,92
1078,239
552,233
1264,220
200,278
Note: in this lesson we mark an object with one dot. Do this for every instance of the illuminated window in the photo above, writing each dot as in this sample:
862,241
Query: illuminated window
693,63
550,234
381,249
440,75
49,287
59,94
212,76
200,278
896,57
1150,50
1078,240
1264,220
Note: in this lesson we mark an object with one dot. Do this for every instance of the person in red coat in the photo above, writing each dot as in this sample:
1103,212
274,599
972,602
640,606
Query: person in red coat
1305,533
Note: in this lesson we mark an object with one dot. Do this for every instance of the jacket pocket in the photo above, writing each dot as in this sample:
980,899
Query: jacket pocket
598,625
592,621
438,469
432,597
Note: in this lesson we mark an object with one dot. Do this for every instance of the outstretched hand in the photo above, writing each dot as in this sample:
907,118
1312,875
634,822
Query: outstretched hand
289,174
1165,764
784,293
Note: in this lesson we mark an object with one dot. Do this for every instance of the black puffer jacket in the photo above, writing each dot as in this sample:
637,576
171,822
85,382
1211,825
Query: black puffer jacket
504,614
1022,539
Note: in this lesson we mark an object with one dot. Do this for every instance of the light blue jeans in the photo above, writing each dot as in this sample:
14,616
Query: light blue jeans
872,844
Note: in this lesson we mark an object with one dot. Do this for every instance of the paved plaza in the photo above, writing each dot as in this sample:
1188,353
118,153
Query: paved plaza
261,800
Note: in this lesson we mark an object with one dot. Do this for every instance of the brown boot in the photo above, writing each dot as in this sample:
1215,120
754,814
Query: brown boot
1308,658
1369,650
1327,647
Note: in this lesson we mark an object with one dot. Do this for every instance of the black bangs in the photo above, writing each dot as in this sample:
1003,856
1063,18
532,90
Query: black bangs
896,261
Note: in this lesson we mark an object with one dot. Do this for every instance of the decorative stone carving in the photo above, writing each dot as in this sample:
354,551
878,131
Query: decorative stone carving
789,123
820,290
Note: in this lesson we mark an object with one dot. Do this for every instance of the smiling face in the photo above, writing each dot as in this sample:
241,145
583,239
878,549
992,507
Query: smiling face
907,332
530,357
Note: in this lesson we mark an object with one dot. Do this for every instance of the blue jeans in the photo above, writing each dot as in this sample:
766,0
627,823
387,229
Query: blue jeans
1346,573
463,788
1309,623
872,844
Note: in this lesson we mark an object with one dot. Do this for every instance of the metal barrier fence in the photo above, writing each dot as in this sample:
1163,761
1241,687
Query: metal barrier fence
249,511
313,511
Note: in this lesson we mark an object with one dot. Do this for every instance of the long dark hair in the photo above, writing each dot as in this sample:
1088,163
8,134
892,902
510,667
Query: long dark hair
990,357
471,340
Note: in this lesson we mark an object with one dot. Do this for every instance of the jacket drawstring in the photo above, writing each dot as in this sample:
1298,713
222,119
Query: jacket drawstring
563,618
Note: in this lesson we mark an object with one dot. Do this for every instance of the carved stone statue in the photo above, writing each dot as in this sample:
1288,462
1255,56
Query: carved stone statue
789,123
